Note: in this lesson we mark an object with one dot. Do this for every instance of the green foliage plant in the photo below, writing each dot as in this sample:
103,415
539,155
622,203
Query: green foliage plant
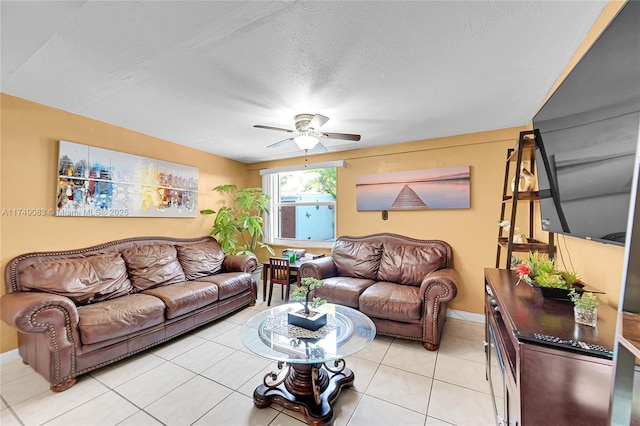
540,270
551,279
570,277
238,227
303,291
325,181
585,302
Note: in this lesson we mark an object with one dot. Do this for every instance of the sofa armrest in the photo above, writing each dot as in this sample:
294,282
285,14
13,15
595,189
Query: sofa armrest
35,312
57,318
437,290
240,263
441,285
320,268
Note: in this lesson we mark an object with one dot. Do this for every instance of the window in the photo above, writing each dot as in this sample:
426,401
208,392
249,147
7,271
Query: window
303,205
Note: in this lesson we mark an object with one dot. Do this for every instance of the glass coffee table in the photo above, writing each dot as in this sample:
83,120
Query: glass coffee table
311,367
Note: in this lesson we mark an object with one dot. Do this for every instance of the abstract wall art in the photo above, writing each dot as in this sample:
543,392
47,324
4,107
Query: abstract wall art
441,188
98,182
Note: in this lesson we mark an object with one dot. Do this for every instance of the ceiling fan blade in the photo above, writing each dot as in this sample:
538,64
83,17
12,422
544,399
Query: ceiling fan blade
344,136
318,149
260,126
317,121
282,142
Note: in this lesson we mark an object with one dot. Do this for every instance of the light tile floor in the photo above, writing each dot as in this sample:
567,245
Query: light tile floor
208,377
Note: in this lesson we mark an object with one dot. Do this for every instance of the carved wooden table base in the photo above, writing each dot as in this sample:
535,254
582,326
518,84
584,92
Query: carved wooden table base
307,388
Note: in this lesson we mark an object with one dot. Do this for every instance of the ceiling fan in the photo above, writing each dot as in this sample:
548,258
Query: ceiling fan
309,135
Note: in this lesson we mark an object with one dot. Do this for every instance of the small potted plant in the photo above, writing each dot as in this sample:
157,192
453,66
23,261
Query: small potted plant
585,307
306,317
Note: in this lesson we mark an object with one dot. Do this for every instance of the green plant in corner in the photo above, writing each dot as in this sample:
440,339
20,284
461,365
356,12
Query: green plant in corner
238,227
302,293
585,302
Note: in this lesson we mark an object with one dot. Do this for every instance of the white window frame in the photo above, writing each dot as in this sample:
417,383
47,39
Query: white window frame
271,187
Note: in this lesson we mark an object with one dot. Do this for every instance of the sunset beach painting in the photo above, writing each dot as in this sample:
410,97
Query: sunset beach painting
442,188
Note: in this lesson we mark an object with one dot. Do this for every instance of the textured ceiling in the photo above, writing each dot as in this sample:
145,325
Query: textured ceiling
201,74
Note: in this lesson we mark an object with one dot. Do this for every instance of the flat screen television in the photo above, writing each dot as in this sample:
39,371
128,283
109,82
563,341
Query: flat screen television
587,134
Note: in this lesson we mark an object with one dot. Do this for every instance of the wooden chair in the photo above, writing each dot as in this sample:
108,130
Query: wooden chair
280,273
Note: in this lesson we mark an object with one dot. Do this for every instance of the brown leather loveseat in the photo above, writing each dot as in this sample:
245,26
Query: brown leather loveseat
78,310
404,285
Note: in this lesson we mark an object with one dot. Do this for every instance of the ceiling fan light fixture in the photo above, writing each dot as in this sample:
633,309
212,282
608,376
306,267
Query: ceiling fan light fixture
306,142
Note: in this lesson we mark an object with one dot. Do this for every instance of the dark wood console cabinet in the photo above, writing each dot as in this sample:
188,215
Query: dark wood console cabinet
537,383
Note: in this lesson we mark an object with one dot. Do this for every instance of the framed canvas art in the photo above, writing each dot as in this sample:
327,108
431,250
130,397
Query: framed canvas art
97,182
442,188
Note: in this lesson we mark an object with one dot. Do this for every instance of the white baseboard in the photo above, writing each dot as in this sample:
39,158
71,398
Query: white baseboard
467,316
9,356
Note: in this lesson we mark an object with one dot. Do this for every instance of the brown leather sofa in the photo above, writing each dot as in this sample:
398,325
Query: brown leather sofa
79,310
404,285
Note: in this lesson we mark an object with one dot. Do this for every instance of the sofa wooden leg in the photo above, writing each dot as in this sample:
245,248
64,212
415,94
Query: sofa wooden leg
252,303
63,386
430,346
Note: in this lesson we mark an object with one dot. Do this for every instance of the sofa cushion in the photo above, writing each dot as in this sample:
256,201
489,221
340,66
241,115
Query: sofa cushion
229,283
406,264
83,280
185,297
359,259
200,259
119,317
153,265
392,301
343,290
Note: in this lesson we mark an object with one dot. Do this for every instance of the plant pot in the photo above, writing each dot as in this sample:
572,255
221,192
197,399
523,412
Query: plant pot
562,293
589,318
313,321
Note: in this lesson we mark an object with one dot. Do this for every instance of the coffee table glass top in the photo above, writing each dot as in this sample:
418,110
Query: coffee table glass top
268,334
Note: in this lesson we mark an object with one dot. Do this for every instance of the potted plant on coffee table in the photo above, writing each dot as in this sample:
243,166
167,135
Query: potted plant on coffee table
307,317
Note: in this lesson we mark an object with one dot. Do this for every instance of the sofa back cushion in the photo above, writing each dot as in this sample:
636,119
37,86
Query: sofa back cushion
83,280
409,264
358,259
200,259
153,265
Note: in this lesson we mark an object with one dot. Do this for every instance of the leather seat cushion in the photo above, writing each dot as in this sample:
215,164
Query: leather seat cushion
83,280
343,290
200,259
229,283
406,264
359,259
392,301
119,317
185,297
153,265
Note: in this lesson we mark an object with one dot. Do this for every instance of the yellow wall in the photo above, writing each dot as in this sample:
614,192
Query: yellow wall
29,135
471,232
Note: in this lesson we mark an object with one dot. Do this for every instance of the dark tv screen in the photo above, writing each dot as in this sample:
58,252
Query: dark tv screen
588,134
